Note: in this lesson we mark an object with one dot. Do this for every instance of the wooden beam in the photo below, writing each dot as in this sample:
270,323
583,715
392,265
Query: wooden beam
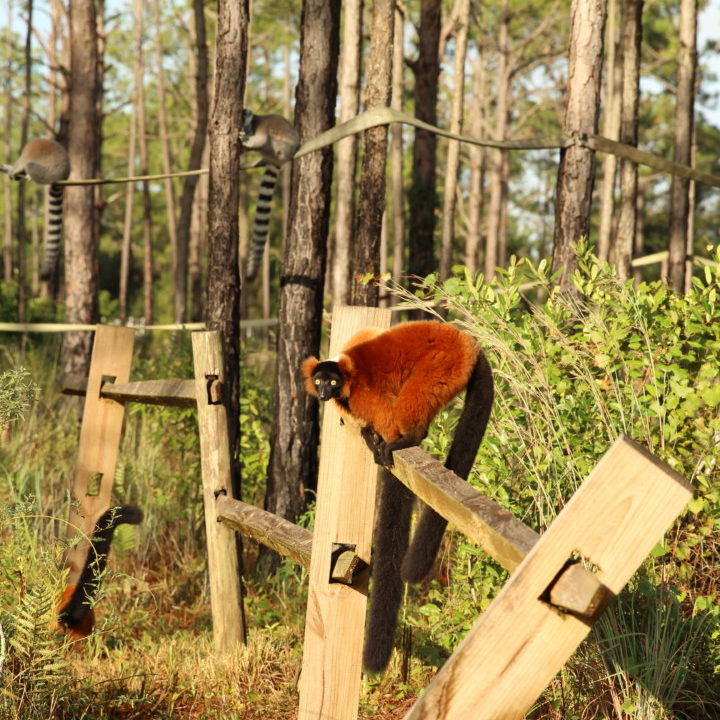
484,521
171,392
223,568
267,528
99,443
334,627
487,523
520,642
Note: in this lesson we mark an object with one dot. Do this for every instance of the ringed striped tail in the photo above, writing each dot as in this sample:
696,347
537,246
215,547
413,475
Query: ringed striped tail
261,226
54,233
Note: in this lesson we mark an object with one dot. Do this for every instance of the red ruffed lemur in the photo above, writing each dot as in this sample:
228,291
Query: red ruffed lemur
392,384
75,614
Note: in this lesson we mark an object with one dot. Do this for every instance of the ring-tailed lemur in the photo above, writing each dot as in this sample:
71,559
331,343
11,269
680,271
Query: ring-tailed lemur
276,140
46,162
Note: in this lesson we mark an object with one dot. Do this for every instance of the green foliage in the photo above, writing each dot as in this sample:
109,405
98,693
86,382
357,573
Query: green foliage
17,394
33,669
571,374
255,422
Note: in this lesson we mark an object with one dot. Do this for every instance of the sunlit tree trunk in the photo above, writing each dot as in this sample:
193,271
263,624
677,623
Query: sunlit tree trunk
190,182
611,129
423,196
371,202
631,33
497,175
684,120
126,246
576,173
478,128
167,163
293,457
349,88
453,153
22,240
9,159
396,150
81,244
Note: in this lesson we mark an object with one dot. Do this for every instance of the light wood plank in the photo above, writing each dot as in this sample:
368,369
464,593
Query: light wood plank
520,642
267,528
334,625
487,523
223,569
171,392
99,442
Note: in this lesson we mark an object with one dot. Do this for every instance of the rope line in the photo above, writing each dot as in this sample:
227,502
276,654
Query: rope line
387,116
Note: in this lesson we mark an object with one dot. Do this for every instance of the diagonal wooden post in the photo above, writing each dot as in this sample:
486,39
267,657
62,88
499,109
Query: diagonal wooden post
223,569
344,514
99,443
520,642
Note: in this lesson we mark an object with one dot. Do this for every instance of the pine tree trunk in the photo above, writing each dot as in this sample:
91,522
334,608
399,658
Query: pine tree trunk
631,33
170,209
7,190
396,151
190,182
293,456
126,247
346,150
611,129
684,120
462,8
576,173
371,203
497,176
423,196
81,244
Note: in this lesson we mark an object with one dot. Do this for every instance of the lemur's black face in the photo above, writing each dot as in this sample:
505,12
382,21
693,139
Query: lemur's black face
328,380
249,122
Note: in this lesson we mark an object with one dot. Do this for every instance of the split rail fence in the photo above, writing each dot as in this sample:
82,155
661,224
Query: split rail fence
560,582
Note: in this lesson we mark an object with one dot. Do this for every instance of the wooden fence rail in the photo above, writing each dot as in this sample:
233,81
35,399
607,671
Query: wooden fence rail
560,582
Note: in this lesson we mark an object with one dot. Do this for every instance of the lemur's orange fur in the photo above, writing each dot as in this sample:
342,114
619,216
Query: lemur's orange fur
86,625
398,380
392,384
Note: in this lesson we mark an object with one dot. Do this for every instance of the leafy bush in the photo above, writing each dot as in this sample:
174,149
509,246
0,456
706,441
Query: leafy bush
571,374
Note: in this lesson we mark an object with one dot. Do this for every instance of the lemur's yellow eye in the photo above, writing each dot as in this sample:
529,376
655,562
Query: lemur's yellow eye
333,382
316,381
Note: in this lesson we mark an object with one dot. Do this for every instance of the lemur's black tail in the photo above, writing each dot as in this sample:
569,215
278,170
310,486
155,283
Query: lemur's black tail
425,543
77,607
390,541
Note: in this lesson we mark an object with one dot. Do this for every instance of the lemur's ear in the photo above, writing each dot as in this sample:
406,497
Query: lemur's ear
308,368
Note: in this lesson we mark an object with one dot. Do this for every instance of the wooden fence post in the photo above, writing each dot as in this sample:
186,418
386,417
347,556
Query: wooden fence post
520,642
335,621
225,589
99,443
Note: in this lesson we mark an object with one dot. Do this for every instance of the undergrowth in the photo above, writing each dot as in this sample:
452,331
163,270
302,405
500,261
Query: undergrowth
572,372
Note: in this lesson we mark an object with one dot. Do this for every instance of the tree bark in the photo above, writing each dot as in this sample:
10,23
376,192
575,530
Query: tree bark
611,129
423,195
7,188
170,209
478,128
223,287
396,150
126,247
371,203
684,120
346,149
293,456
81,243
453,154
195,162
631,33
497,176
576,172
